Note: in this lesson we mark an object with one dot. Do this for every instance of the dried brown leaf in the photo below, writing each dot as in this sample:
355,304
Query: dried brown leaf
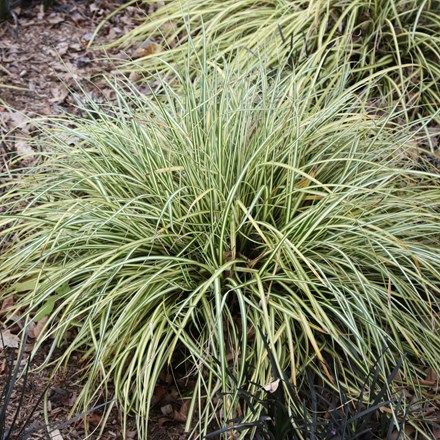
7,304
23,149
35,328
431,375
166,410
8,340
147,48
182,414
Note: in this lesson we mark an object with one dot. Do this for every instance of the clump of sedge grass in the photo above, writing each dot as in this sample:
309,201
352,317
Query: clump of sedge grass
165,230
400,38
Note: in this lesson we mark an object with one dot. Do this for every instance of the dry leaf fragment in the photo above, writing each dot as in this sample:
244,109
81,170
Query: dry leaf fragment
147,48
59,95
62,48
18,119
166,410
179,417
161,422
6,305
35,328
55,19
431,380
23,148
134,76
75,47
272,387
182,414
77,17
56,435
88,36
94,419
7,339
431,375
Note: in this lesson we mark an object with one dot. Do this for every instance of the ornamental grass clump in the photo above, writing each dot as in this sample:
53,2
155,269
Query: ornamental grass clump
176,230
400,38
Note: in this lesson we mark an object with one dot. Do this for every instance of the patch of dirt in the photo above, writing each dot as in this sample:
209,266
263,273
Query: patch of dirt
46,63
44,55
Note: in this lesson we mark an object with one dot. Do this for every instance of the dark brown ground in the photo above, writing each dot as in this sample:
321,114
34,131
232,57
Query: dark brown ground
43,54
45,65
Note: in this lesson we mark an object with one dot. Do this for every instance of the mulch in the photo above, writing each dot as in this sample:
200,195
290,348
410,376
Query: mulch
47,64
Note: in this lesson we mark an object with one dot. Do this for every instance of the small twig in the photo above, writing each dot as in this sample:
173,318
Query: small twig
16,25
5,70
8,86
